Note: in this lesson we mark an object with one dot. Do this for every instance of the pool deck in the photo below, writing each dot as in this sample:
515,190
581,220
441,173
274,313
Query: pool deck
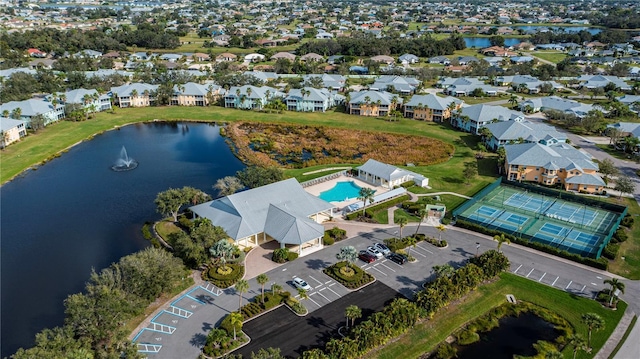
329,184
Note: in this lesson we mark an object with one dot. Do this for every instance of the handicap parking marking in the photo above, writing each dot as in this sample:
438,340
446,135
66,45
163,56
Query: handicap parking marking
516,271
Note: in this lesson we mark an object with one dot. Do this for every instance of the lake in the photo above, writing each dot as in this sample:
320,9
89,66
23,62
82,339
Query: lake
482,42
75,213
514,336
559,29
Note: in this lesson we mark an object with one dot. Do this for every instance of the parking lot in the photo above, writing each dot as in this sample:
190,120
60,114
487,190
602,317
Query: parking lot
566,283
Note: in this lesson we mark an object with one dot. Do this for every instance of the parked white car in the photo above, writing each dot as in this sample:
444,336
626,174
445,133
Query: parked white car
372,250
301,283
382,248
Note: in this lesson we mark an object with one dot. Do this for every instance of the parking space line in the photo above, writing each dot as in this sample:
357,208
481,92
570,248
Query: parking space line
424,249
386,260
516,271
531,271
319,282
384,265
334,292
379,270
593,284
567,287
314,302
418,252
322,295
554,282
582,290
539,280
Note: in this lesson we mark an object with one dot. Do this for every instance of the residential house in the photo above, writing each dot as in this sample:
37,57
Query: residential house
281,211
373,103
383,59
632,101
399,84
595,81
309,99
91,100
473,118
324,35
431,107
46,64
388,176
626,129
509,132
88,54
36,53
201,57
226,57
443,60
11,131
250,97
497,51
312,56
525,83
408,59
134,95
331,82
195,94
263,76
171,57
254,57
34,107
284,55
555,103
465,86
558,164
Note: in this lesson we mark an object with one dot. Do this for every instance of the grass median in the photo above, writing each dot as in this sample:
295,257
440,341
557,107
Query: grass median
425,336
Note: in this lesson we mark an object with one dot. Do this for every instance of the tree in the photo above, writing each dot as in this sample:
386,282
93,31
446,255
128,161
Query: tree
577,342
470,171
302,293
553,354
365,195
256,176
262,279
352,312
624,184
347,253
222,250
607,168
276,288
37,122
269,353
445,270
615,285
422,213
402,221
170,201
227,185
501,238
441,229
594,323
242,286
411,241
235,319
593,120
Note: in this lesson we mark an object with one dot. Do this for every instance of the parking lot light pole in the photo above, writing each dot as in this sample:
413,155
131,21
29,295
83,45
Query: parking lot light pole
477,248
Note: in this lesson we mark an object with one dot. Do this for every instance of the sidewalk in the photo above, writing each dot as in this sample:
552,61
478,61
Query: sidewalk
615,338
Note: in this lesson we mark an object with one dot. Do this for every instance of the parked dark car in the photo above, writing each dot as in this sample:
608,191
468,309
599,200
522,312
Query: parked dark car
398,258
367,257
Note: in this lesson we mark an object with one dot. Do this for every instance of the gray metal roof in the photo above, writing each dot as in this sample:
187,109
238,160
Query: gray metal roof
291,229
513,130
7,124
562,154
250,212
384,97
432,101
587,179
487,113
383,170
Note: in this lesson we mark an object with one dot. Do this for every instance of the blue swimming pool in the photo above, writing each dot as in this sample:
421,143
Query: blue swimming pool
342,191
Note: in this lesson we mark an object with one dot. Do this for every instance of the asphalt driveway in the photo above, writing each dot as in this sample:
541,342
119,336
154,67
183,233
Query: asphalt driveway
293,335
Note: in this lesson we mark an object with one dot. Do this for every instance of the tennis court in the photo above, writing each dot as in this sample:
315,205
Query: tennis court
576,227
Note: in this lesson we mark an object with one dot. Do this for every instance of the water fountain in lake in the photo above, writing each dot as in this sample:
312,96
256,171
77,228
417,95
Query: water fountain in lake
124,163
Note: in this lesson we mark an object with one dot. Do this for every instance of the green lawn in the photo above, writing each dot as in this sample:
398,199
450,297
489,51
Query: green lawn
627,262
55,138
426,335
554,56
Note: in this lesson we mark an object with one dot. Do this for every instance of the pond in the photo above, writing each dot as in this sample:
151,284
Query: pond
514,336
559,29
482,42
75,213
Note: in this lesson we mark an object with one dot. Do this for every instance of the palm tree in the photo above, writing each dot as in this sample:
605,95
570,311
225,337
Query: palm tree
365,195
262,279
302,294
242,286
441,229
16,113
411,241
615,285
501,238
577,342
402,221
422,213
276,288
352,312
235,318
513,100
594,322
5,113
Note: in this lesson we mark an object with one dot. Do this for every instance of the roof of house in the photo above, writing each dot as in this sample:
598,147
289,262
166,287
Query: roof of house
384,97
629,99
399,83
432,101
383,170
488,113
586,179
139,87
314,94
193,88
256,92
7,124
531,131
557,103
29,108
284,55
562,155
627,127
280,209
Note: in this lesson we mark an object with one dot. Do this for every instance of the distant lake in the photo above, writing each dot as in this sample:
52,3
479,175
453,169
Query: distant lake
75,213
482,42
559,29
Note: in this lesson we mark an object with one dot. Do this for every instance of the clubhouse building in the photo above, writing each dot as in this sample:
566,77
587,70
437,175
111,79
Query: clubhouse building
281,211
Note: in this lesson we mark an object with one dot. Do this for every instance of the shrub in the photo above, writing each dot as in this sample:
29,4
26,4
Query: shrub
611,250
620,236
467,336
627,221
291,256
446,221
370,210
354,281
280,255
328,240
337,234
228,327
185,223
224,280
445,351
